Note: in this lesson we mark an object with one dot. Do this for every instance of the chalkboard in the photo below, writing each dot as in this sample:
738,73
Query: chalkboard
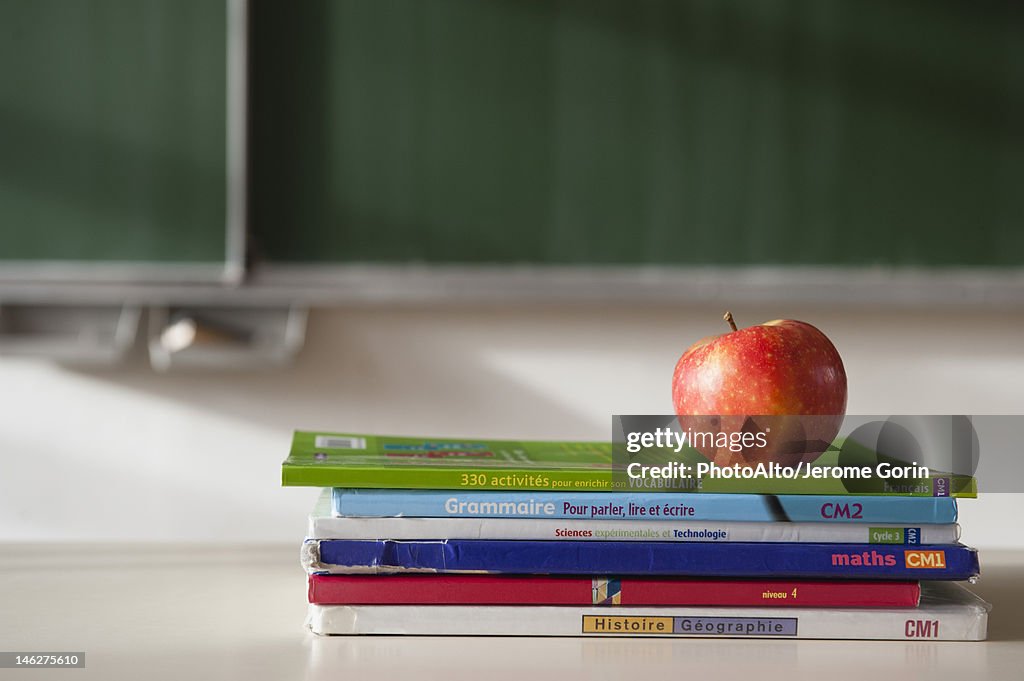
113,131
849,132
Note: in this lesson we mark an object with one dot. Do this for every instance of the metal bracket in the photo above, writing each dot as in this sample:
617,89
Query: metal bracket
225,338
72,334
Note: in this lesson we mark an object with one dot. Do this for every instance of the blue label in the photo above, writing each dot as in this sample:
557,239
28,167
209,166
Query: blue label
912,535
735,626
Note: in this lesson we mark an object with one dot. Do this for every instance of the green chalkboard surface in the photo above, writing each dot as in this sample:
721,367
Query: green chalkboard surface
112,131
847,132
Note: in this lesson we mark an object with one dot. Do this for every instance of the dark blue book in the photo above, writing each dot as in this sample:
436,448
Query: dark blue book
943,562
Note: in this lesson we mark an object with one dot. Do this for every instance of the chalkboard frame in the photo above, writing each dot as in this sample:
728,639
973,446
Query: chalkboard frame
229,271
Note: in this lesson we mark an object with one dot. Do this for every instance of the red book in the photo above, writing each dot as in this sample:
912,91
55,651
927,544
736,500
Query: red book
553,590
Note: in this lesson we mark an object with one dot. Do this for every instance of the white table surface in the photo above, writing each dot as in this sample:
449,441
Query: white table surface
194,612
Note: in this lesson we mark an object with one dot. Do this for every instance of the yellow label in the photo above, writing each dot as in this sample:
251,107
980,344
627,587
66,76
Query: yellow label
625,624
925,559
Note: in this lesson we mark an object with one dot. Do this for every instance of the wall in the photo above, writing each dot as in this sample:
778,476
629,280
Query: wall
127,454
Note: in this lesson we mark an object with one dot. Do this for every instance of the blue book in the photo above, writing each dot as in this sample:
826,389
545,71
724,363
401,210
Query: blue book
385,503
844,561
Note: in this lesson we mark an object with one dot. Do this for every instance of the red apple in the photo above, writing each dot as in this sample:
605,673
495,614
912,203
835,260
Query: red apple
782,376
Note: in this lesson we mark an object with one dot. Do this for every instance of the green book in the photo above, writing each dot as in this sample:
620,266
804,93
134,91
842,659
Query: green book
387,462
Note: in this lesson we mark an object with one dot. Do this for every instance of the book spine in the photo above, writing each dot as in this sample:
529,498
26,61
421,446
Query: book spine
625,530
596,480
644,506
388,462
605,591
696,559
963,624
450,478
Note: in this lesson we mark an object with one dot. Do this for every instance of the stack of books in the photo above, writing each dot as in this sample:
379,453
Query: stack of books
467,537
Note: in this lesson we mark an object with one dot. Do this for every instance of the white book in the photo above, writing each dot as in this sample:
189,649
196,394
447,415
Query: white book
330,527
948,612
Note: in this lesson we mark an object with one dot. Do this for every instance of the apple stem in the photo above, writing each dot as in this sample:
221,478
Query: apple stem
728,317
